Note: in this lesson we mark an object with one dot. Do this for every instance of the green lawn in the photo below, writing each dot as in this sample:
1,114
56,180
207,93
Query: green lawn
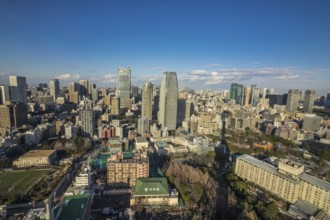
19,181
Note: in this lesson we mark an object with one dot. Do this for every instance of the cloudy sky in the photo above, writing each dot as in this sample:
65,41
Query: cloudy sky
277,43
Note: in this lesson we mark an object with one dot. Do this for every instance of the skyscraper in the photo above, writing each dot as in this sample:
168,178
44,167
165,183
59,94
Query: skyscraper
13,115
74,87
54,88
147,90
255,93
84,88
124,86
237,93
4,94
168,103
309,101
293,99
88,121
18,88
247,96
189,109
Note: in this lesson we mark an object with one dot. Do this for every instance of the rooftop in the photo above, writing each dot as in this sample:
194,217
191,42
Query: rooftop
38,153
151,186
74,207
141,139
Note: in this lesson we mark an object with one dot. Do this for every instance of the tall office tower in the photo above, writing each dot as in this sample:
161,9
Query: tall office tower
95,95
237,93
277,99
144,126
84,88
4,94
247,96
124,86
115,105
147,101
74,97
309,101
293,99
189,110
168,101
271,91
155,105
88,121
104,92
90,88
18,88
54,88
135,91
254,99
13,115
74,87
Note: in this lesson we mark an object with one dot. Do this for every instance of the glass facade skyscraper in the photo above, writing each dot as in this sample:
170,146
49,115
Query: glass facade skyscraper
124,86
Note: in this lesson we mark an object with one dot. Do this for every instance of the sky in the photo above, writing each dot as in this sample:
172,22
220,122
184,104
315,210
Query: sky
279,44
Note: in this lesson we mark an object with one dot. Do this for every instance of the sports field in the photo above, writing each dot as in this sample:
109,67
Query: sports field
19,181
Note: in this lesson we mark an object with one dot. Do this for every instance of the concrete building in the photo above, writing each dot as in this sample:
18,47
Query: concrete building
18,88
4,94
88,119
247,96
83,179
36,157
124,86
54,88
255,95
168,103
147,96
115,106
124,172
287,181
74,87
293,99
13,115
74,97
154,191
309,101
143,126
189,109
141,143
311,122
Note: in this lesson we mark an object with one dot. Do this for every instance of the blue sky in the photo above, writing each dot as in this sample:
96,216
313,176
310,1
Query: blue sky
275,43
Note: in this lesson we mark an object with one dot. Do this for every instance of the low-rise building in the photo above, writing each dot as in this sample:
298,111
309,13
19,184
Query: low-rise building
154,191
36,157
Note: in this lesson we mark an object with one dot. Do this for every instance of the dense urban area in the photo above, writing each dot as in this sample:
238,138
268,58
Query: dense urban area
79,151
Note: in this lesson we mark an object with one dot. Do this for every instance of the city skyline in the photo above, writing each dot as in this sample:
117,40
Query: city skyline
210,45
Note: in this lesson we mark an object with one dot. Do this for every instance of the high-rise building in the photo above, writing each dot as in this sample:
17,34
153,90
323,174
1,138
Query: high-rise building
293,100
277,99
74,87
115,105
168,103
237,93
124,86
144,126
74,97
309,101
255,94
147,101
84,88
54,88
247,96
189,109
13,115
88,121
4,94
18,89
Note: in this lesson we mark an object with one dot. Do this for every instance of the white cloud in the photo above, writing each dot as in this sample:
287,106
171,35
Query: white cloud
256,62
68,76
234,75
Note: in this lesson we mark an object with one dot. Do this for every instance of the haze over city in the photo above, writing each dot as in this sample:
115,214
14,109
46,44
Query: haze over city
280,44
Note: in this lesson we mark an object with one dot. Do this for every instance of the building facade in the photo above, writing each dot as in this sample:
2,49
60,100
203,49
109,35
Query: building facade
88,122
146,111
18,88
54,88
309,101
287,181
124,86
36,157
168,103
293,100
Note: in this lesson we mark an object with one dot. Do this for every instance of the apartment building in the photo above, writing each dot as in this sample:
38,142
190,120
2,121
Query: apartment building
124,171
287,181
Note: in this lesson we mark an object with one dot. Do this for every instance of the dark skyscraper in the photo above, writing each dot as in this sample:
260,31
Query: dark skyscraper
309,101
237,93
